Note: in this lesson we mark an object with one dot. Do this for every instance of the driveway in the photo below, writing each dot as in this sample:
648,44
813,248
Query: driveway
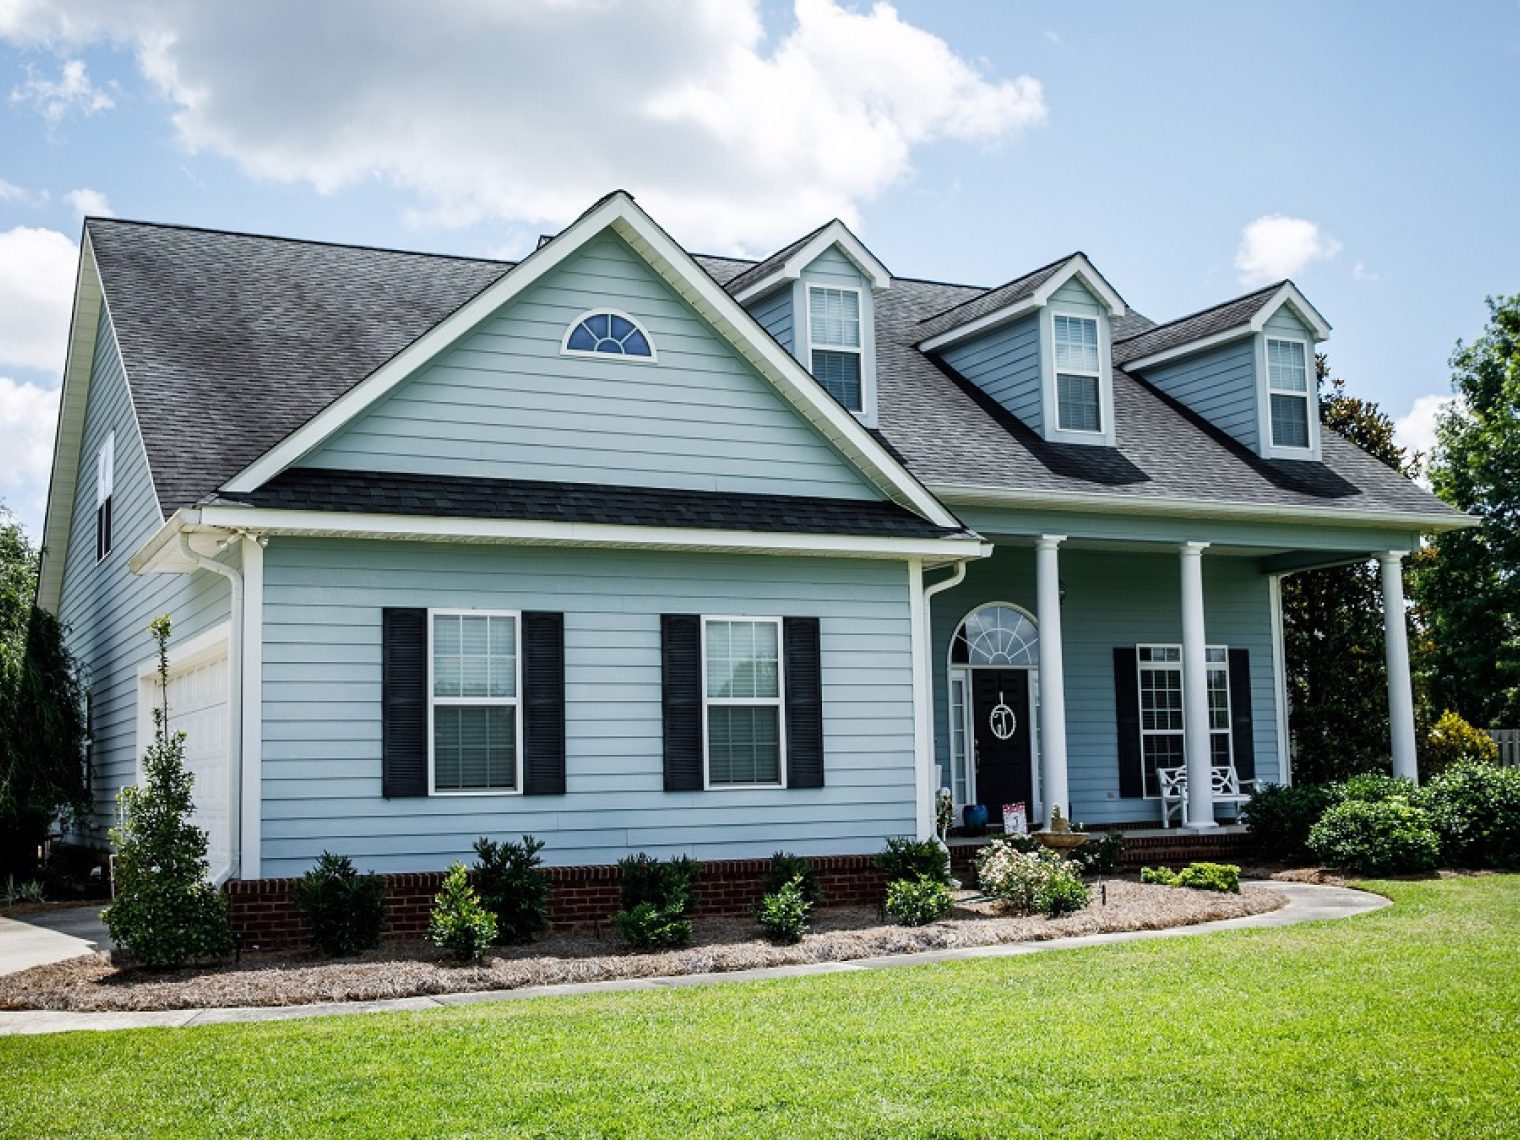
50,936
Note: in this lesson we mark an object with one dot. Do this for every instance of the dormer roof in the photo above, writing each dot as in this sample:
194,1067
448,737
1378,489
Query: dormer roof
1229,320
1012,300
787,263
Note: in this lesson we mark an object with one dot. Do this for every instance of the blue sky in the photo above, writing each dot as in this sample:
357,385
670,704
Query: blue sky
1191,149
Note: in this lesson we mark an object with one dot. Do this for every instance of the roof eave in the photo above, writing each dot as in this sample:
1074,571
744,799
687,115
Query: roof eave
835,233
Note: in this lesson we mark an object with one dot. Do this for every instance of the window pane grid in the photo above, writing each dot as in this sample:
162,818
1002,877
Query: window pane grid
474,696
1286,369
834,317
1162,736
839,373
1290,420
1076,341
743,689
1077,406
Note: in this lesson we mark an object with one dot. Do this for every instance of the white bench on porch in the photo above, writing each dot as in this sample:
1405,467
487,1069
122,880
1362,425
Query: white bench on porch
1228,788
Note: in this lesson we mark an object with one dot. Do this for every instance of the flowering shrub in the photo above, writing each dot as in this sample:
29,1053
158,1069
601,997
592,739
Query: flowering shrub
1029,882
918,902
1453,741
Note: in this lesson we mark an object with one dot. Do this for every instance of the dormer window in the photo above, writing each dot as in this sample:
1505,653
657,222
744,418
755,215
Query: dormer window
834,342
1079,378
607,333
105,492
1288,392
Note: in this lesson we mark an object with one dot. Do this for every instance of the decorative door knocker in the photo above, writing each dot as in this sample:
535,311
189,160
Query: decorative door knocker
1002,721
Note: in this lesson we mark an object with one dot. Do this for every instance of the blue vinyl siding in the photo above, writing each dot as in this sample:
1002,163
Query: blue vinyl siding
1006,365
1220,385
104,607
1075,296
1095,619
321,761
832,269
1285,323
774,312
505,403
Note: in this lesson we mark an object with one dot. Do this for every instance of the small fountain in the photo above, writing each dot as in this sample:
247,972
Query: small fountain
1059,836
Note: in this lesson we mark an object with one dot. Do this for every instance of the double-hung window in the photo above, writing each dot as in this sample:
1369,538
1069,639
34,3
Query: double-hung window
743,710
1288,392
475,722
1161,709
834,341
1079,384
105,489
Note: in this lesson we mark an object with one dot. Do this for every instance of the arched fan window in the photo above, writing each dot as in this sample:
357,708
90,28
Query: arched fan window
607,333
996,635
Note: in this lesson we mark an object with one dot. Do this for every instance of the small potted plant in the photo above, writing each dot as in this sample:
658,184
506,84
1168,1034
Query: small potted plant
974,818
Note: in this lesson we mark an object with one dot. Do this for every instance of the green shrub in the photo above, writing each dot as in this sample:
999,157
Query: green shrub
1029,882
908,859
785,867
1279,817
166,912
1221,877
783,913
656,897
646,926
30,891
1375,788
1474,809
1452,741
513,888
918,901
459,923
1102,854
1376,838
345,910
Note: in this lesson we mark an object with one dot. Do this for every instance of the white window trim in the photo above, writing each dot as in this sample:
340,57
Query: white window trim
802,308
1176,666
105,491
1264,392
566,350
778,701
1049,404
1093,373
514,702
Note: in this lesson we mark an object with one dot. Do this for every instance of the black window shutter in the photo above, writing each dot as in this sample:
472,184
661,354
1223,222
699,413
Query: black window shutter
804,702
1127,720
403,703
681,700
543,646
1241,729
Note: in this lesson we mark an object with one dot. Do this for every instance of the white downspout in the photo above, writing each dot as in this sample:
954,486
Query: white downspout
235,705
923,690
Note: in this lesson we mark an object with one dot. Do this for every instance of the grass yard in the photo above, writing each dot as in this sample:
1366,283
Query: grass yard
1405,1022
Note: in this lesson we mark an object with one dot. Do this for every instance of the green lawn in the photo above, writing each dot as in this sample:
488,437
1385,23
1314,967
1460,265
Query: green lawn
1401,1023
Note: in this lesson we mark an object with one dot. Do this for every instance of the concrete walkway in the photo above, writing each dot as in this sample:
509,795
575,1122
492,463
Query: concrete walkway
1306,903
51,936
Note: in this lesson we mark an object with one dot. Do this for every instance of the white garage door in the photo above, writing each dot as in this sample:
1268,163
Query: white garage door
198,708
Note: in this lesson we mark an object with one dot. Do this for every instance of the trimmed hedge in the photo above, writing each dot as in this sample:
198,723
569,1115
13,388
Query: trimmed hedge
1384,838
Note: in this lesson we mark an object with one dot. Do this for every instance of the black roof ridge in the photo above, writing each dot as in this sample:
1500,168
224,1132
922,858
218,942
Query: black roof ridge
1201,312
187,228
1002,285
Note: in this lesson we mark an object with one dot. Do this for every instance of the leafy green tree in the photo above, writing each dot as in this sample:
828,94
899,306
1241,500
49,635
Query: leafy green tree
1333,625
166,910
1467,584
41,711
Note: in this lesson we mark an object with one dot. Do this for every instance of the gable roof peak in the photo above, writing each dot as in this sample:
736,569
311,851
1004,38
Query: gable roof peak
1228,320
788,262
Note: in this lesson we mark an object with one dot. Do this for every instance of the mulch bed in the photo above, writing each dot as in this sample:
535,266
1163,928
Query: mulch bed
578,955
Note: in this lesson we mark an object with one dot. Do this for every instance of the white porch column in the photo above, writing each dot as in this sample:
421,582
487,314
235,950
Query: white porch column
1053,780
1195,691
1396,651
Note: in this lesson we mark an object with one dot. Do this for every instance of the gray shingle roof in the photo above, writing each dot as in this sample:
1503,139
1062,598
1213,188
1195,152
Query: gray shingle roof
760,270
1194,326
988,301
231,342
319,489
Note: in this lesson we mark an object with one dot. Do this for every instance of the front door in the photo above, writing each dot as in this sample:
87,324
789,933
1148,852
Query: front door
1000,708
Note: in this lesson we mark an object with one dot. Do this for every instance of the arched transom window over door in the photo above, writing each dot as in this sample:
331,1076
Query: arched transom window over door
996,635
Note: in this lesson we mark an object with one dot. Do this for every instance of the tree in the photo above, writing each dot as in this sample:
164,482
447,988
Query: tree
1333,625
1467,586
41,711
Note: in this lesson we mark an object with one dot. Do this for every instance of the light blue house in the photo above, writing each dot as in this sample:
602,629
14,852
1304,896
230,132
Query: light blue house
637,550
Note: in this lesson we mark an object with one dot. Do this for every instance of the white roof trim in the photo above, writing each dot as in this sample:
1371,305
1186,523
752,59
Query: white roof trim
1288,295
160,554
962,495
89,300
621,214
835,233
1188,348
1077,266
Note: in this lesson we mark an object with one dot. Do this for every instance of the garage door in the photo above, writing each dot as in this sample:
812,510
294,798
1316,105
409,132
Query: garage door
198,708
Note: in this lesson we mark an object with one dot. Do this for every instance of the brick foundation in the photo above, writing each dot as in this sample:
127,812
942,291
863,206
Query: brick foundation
264,915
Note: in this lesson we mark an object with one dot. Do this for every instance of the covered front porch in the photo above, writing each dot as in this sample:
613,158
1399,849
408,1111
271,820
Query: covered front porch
1132,671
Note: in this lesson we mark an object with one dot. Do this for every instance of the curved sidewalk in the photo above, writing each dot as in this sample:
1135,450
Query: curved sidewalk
1306,903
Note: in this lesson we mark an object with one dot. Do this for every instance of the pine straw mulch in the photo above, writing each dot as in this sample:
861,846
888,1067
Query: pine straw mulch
578,955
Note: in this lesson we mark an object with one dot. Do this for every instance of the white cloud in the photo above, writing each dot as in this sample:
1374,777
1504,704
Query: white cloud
10,192
529,111
1360,272
37,270
1416,428
89,202
73,92
28,416
1276,246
